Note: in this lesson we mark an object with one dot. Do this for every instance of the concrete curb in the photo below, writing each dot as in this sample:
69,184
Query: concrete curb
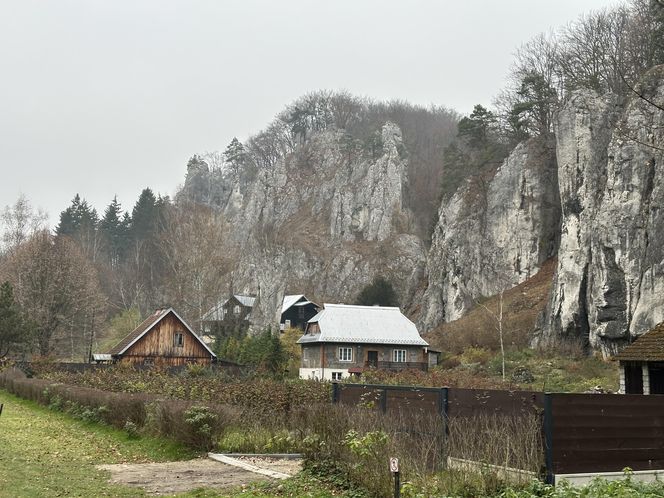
247,466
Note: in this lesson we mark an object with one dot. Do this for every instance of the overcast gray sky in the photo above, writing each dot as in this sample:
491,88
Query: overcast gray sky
108,97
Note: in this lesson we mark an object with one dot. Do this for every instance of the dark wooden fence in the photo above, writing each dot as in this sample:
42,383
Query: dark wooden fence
605,432
582,433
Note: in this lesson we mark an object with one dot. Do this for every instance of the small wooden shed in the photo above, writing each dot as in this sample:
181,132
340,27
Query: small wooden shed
642,364
163,338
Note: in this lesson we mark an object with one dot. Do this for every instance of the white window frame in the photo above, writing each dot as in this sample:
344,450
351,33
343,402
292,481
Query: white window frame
345,357
399,355
237,310
337,375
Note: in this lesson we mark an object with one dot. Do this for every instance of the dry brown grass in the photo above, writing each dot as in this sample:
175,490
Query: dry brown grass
477,329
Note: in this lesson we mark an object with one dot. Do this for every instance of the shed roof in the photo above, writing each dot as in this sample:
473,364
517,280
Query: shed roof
247,301
648,347
363,324
146,326
291,300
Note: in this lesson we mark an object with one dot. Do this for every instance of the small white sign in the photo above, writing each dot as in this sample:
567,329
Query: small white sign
394,464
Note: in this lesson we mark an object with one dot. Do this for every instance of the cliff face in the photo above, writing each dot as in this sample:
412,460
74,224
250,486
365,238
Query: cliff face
323,218
321,221
494,233
609,282
583,131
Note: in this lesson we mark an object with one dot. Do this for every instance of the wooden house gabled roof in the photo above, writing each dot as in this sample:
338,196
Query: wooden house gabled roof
648,347
147,325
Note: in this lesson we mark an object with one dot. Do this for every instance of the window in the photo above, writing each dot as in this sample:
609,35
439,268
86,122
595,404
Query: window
336,375
345,354
178,339
300,312
399,355
237,309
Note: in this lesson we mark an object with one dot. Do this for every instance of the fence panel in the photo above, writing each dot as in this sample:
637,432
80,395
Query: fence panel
607,432
582,432
472,402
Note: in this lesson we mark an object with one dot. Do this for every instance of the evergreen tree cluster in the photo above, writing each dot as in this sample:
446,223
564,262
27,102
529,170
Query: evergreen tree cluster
117,232
378,293
263,351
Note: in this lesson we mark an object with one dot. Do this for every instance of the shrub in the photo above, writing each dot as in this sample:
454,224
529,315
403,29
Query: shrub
203,424
132,430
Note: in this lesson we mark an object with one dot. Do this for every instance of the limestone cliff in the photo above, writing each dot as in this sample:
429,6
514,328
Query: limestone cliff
609,282
321,221
321,215
494,233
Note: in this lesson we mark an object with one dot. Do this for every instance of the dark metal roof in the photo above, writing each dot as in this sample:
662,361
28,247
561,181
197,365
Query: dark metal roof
648,347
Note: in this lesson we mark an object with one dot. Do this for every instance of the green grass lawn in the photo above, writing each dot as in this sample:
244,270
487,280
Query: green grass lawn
47,453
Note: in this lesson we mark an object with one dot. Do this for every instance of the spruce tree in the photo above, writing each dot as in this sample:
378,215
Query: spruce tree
379,292
112,232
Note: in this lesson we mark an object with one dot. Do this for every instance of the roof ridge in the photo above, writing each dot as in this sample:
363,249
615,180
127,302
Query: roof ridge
363,306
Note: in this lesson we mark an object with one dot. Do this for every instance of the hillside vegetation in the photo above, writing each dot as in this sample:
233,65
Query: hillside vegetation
471,347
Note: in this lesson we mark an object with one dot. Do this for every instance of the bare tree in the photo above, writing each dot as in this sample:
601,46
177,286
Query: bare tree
198,258
498,318
20,221
57,287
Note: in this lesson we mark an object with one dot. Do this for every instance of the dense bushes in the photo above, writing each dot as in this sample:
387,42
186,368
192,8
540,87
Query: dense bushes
199,424
259,396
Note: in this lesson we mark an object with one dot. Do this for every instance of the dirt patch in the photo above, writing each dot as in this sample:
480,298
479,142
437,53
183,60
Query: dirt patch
178,477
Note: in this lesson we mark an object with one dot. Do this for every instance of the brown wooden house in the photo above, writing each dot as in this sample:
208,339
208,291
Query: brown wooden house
642,364
164,338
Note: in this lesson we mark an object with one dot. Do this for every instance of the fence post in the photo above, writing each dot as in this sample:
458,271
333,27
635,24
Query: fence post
335,392
443,410
383,400
548,438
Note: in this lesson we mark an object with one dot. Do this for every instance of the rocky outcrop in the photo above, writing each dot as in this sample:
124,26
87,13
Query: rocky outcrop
320,220
583,132
494,233
609,281
323,216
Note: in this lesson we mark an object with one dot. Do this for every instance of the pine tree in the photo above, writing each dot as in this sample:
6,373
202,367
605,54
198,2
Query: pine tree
234,155
144,216
113,232
70,218
379,292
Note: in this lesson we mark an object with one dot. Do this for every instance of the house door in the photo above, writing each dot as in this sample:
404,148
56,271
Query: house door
656,374
633,378
372,359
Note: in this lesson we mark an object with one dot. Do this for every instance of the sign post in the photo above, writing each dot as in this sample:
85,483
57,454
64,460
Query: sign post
394,468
